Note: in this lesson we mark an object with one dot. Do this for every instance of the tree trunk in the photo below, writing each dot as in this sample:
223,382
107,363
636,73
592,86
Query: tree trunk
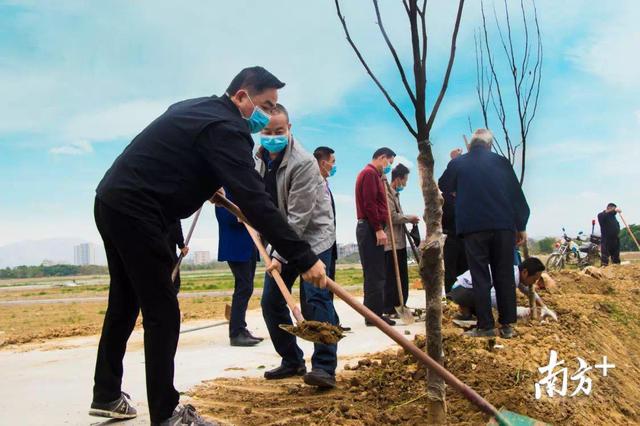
432,275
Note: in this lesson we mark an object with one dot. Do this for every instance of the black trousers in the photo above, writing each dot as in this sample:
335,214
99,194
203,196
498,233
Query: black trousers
492,251
140,265
391,298
610,247
373,267
243,274
455,260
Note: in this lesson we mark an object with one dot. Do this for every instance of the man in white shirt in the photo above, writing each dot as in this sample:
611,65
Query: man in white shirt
526,275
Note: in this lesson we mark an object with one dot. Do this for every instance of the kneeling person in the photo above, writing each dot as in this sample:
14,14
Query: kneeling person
526,274
293,180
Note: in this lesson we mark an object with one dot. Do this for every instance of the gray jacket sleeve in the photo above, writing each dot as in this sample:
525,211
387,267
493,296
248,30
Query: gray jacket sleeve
304,193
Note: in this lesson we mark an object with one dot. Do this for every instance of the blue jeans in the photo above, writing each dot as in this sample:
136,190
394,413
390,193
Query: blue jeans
316,304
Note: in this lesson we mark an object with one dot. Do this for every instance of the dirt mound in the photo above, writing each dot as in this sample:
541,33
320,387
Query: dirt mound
597,317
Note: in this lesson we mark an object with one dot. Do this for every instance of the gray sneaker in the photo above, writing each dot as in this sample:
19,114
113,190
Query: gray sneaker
121,408
186,415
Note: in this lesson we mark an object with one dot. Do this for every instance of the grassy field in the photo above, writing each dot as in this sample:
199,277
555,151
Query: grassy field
26,322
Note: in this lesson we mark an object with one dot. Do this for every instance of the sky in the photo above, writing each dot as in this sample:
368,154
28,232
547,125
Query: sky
80,79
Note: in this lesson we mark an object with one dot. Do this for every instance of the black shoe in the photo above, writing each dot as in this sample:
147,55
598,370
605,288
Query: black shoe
243,339
283,372
121,408
344,328
507,332
185,415
389,321
320,378
248,334
481,332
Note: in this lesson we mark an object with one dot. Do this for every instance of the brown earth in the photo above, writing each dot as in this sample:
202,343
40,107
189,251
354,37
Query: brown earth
596,318
20,324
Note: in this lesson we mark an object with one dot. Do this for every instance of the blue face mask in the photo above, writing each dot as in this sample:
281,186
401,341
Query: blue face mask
333,170
258,119
274,144
386,169
399,188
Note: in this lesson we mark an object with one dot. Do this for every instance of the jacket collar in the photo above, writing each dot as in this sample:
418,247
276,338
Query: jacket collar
375,169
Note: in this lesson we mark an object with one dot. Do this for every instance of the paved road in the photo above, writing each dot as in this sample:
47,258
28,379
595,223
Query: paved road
50,384
183,295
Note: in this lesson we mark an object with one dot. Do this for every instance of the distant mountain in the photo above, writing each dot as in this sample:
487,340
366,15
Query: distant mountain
34,252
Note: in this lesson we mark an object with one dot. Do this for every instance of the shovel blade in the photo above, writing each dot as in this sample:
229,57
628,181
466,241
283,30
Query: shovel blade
405,315
514,419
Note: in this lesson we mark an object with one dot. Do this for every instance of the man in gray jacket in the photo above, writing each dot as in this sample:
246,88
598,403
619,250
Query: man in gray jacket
399,178
293,180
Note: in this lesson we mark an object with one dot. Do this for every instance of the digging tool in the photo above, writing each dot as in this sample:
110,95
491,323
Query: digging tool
402,310
218,324
503,417
633,237
176,268
414,249
314,331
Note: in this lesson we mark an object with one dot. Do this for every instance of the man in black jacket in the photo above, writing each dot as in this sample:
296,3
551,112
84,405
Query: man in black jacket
491,214
610,231
166,173
455,259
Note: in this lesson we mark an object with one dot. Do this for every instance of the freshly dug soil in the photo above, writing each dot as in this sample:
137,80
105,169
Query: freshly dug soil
315,331
597,317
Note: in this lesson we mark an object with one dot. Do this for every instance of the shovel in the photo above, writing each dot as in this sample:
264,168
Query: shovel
314,331
502,417
176,268
633,237
402,310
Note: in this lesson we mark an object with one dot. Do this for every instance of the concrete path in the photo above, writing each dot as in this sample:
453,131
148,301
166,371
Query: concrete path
50,383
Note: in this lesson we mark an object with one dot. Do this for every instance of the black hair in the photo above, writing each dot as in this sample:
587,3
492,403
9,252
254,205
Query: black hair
399,171
611,205
533,265
323,153
255,80
279,108
387,152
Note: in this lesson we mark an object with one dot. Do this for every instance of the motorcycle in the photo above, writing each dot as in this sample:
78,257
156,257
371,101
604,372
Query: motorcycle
574,251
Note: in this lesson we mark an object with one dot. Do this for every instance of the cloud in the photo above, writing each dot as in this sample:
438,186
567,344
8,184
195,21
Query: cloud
74,148
401,159
123,120
344,199
607,52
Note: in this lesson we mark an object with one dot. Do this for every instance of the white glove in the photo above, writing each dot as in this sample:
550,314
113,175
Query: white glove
546,312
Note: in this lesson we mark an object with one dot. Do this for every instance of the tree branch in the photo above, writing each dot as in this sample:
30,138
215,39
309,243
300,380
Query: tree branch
373,77
394,53
452,56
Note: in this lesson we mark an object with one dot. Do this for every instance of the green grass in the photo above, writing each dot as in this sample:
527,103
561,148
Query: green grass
207,280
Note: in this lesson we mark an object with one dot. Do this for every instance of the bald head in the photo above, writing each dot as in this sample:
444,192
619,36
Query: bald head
481,137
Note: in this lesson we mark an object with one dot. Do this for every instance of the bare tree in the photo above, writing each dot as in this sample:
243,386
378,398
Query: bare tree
518,85
431,265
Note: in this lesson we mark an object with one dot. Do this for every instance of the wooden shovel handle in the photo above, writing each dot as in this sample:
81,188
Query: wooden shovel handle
235,210
394,254
176,268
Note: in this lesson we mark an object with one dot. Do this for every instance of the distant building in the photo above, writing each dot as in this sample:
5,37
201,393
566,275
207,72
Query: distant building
49,262
201,257
345,250
84,254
